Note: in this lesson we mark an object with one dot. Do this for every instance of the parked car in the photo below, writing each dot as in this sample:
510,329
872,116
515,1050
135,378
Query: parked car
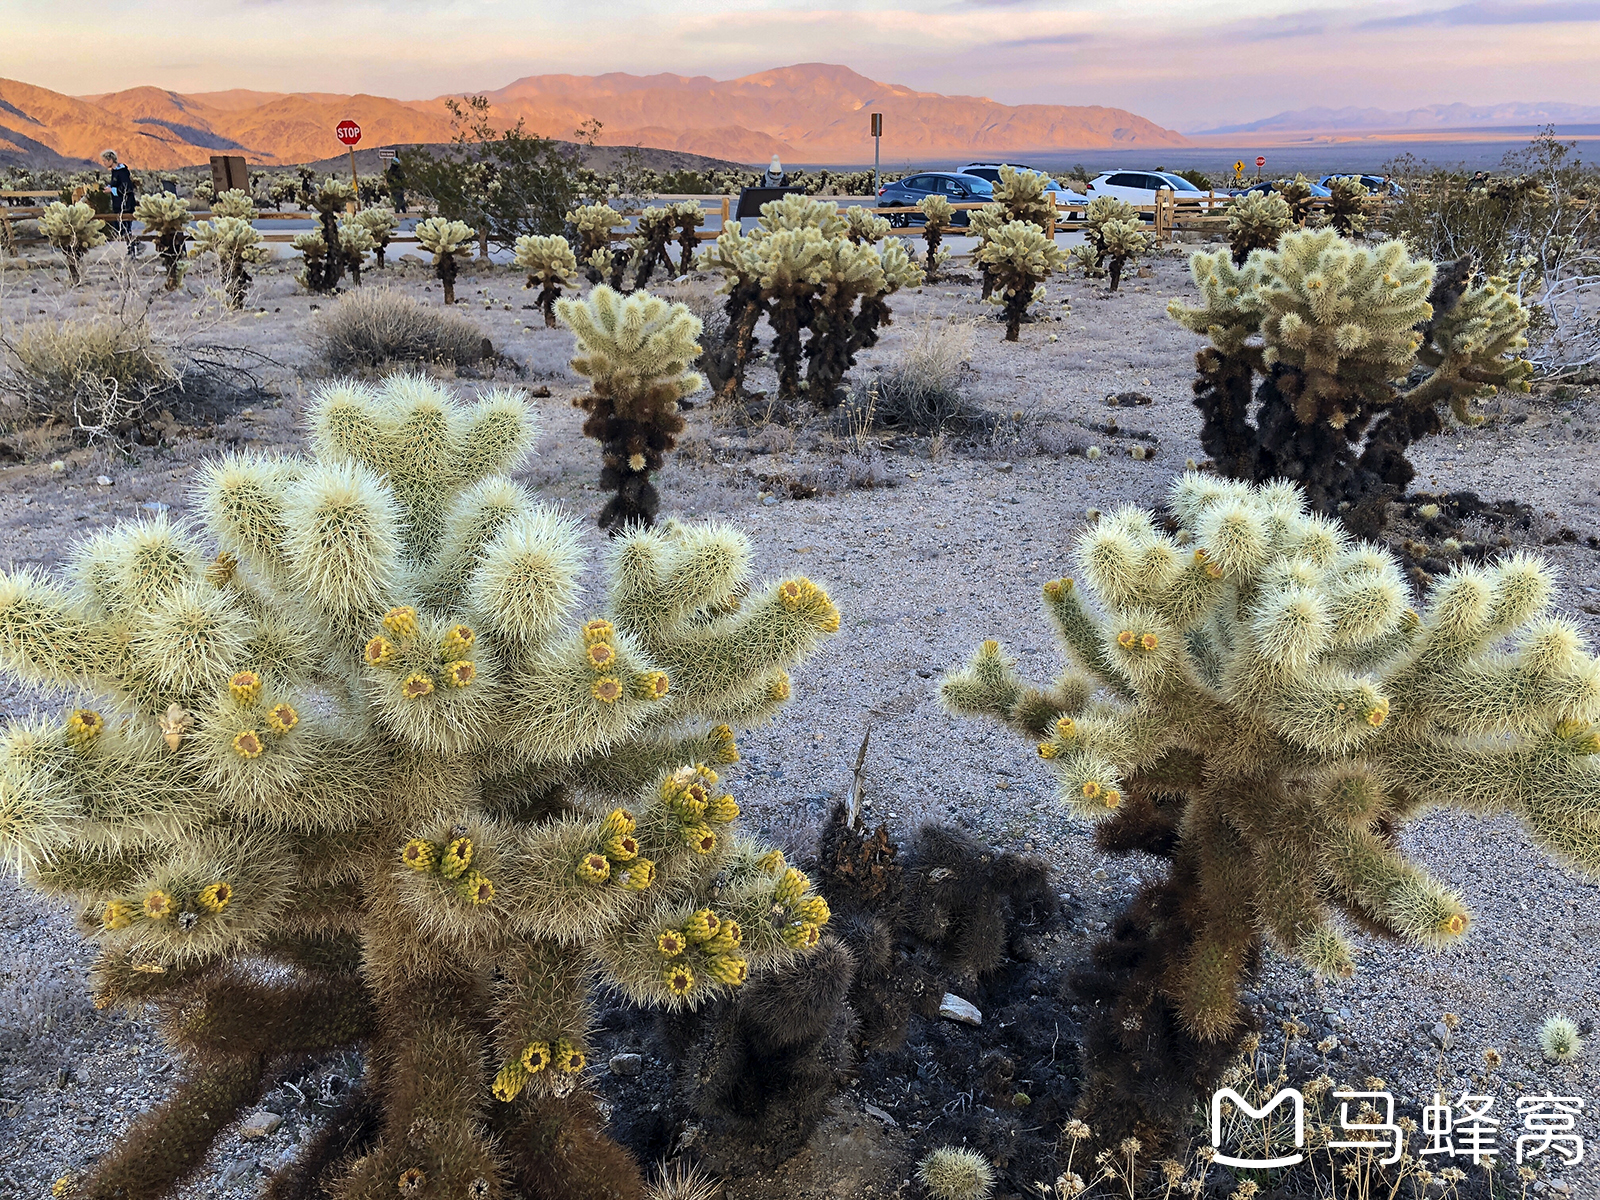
1140,187
955,186
1376,184
1318,192
991,172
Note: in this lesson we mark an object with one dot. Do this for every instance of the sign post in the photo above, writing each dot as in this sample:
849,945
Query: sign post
877,143
1261,161
348,132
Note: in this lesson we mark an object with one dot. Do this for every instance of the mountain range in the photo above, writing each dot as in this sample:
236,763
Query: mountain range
1432,116
813,112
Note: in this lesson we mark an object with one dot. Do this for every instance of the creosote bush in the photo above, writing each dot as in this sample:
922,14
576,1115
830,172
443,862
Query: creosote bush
1332,329
237,246
373,327
445,240
550,263
165,216
357,771
73,230
635,351
1255,701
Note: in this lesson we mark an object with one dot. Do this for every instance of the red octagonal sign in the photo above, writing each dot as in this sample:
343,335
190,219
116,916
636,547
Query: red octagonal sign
348,132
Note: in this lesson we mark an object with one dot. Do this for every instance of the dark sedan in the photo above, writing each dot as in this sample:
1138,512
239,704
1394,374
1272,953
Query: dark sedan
954,186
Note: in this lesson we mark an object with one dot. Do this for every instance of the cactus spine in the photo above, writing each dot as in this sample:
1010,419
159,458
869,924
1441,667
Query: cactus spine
361,738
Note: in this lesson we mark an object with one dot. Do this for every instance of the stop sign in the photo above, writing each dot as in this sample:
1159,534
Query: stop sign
1260,159
348,132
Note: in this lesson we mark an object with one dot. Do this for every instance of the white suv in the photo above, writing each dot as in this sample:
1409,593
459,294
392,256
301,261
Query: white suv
1140,187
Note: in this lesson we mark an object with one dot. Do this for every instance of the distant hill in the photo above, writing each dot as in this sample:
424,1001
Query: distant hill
1433,116
808,113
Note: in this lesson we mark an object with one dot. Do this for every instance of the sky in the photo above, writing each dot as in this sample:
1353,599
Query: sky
1186,64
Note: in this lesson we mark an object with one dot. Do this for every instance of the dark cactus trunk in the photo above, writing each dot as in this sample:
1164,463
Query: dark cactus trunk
447,276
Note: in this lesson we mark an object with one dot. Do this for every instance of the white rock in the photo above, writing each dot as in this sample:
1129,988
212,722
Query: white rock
872,1110
259,1124
103,480
954,1008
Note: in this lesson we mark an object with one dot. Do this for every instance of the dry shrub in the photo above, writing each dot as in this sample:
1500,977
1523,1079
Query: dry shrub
98,374
373,326
921,391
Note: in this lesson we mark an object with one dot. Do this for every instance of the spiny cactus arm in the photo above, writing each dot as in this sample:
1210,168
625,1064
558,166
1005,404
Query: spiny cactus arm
1084,636
342,540
1395,894
796,212
88,873
525,585
542,1019
662,578
759,701
1474,347
627,767
1230,311
47,637
473,521
497,433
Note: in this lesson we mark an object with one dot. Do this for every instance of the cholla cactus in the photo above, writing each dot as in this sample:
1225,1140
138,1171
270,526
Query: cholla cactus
234,203
73,230
950,1173
550,263
1255,700
237,245
350,773
862,225
204,191
690,217
799,269
1256,221
355,243
656,229
1120,241
284,188
1347,205
1339,325
1087,259
596,225
636,352
1103,211
380,221
1024,196
164,215
325,256
1296,193
1019,259
937,213
1559,1038
445,239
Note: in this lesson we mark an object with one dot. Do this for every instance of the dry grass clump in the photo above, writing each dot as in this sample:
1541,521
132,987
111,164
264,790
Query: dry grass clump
920,391
96,373
374,326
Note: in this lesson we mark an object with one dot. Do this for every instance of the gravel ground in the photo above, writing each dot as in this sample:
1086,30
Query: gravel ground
922,570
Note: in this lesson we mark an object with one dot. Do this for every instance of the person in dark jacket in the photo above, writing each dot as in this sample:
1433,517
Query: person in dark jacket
122,197
774,176
396,179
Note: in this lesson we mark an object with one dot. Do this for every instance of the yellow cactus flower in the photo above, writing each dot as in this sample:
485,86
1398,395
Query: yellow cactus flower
475,889
1125,639
672,943
600,655
457,857
117,914
694,798
828,622
779,690
247,744
729,970
567,1057
722,809
801,935
1454,925
678,978
598,630
214,897
991,645
594,868
1048,750
637,875
727,938
416,686
700,838
727,751
535,1057
401,622
509,1081
1377,714
651,685
1091,789
245,687
791,887
419,855
459,674
1113,798
84,725
1066,729
157,905
281,718
617,822
378,651
702,926
772,862
622,848
814,909
1149,642
219,572
457,641
607,688
411,1180
792,593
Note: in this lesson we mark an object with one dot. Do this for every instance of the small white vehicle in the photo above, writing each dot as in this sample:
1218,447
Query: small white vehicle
1140,187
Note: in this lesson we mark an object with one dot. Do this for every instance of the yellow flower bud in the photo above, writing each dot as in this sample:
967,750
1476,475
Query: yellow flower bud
598,630
460,674
214,897
401,622
457,642
722,809
83,726
618,821
772,862
801,935
567,1057
509,1081
1377,714
779,689
457,857
247,744
600,656
622,848
651,685
411,1180
1066,729
281,718
728,937
729,970
637,875
594,868
727,751
245,687
378,652
791,887
672,943
416,686
419,855
1091,789
475,888
157,905
700,838
1048,750
117,914
702,926
814,909
535,1057
678,978
607,688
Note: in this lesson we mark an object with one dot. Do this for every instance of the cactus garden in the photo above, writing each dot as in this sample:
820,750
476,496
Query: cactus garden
811,708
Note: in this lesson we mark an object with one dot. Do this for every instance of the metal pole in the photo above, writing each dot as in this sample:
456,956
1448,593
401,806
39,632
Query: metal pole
354,182
877,144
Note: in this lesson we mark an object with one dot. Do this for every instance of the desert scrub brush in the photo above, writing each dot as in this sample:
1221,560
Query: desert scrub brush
1255,700
73,230
950,1173
237,246
372,675
445,239
550,263
166,216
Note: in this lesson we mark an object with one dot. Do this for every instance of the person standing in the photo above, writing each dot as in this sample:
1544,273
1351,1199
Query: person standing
774,178
396,179
122,197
